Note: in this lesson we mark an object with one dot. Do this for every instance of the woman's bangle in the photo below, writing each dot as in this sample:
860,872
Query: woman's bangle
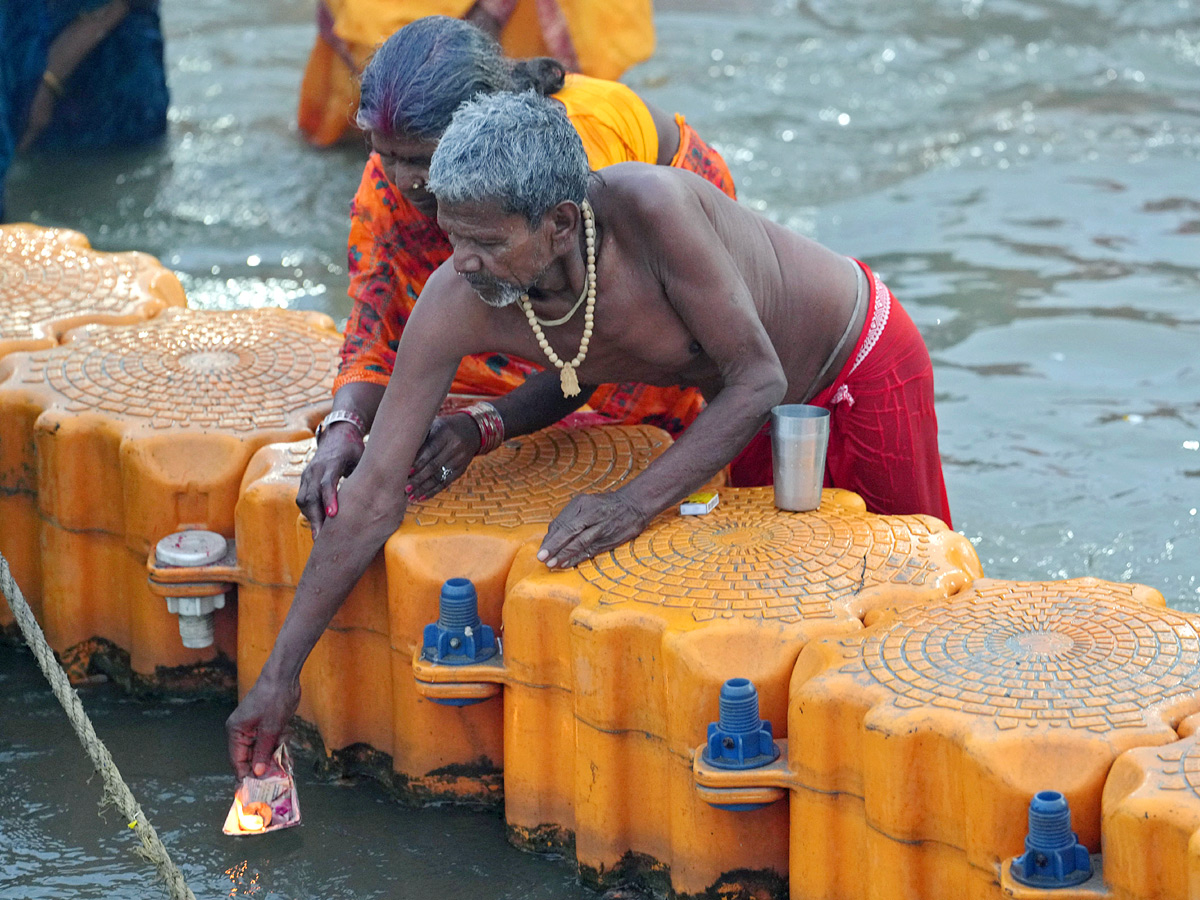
51,81
491,426
341,415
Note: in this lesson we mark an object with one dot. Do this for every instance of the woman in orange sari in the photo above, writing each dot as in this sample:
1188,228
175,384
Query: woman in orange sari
409,92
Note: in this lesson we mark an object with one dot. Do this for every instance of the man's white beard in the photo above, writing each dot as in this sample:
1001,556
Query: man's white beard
499,294
502,293
506,295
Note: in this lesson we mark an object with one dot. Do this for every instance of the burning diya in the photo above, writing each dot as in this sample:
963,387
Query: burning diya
265,803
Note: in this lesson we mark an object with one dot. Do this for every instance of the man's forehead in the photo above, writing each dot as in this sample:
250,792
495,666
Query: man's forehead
477,215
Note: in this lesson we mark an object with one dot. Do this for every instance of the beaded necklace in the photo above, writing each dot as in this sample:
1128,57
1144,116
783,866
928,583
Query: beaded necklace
567,377
570,313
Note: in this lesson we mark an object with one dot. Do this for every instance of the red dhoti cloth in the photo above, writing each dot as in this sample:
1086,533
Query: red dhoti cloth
882,426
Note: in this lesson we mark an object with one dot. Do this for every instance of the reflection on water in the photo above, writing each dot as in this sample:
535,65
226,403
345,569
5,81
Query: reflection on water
1021,172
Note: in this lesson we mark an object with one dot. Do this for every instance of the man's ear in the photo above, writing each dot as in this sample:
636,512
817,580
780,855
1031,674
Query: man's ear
564,221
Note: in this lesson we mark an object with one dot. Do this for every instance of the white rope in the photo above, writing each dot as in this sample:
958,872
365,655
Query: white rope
116,792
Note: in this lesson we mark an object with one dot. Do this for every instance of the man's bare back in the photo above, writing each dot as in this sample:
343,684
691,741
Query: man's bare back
677,261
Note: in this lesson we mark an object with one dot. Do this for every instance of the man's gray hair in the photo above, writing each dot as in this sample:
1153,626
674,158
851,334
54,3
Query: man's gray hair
519,150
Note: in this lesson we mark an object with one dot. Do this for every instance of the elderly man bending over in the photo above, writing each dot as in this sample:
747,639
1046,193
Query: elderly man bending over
641,273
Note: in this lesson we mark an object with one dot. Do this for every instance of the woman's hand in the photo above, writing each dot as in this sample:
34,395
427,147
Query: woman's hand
451,444
338,452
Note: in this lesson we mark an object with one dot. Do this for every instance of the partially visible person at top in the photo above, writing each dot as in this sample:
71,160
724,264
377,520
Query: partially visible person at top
79,75
600,38
683,286
410,90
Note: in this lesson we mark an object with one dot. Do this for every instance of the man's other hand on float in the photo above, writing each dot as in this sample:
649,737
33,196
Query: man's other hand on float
591,524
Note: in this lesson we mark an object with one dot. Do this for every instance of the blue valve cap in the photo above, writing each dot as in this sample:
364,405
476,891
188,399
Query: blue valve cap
1053,856
458,637
739,739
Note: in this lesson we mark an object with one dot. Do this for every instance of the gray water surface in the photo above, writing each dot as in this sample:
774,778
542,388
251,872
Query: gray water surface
1023,174
353,841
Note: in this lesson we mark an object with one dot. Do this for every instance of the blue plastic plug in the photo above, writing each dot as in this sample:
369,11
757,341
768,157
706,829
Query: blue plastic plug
1053,856
458,637
740,739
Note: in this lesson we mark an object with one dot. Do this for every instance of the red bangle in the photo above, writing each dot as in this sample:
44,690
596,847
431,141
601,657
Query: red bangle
491,426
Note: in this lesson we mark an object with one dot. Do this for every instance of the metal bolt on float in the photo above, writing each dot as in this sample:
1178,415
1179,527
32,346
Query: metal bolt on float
458,637
1053,856
193,549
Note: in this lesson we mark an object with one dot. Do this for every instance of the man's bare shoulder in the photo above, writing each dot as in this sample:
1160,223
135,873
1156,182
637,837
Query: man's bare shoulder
444,280
648,187
449,291
449,305
660,199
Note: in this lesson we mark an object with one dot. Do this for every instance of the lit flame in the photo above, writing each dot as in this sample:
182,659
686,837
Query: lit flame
247,821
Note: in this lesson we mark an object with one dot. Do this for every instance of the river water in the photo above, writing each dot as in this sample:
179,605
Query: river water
1023,174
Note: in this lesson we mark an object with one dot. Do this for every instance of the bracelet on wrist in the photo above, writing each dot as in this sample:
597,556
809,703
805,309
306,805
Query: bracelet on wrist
490,424
342,415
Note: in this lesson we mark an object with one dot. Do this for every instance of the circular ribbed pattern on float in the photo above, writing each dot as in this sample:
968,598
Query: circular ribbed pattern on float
747,559
529,480
232,371
51,277
1034,652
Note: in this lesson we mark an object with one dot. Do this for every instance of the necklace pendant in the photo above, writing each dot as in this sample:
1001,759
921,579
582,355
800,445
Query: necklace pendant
569,381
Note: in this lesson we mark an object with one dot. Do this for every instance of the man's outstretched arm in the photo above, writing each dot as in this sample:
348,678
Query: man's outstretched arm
373,503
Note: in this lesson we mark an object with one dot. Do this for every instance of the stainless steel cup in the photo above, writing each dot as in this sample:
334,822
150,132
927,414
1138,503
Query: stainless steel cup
799,438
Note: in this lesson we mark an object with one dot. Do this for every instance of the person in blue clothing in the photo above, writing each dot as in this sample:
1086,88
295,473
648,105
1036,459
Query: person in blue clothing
79,75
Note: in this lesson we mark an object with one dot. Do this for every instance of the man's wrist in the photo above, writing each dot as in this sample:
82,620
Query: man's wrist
274,672
630,497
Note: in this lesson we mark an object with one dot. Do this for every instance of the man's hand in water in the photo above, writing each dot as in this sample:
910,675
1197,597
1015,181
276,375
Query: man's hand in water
590,524
256,727
340,449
